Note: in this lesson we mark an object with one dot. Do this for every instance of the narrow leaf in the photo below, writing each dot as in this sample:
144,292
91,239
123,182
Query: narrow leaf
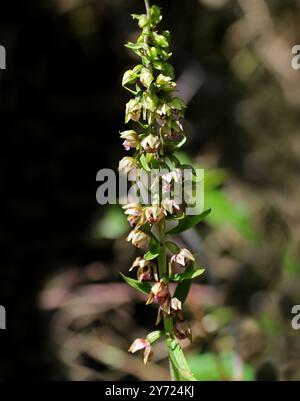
188,275
144,163
144,287
188,222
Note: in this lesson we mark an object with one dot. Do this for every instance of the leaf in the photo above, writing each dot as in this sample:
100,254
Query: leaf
188,222
206,367
182,290
144,287
174,248
178,361
112,225
187,275
144,163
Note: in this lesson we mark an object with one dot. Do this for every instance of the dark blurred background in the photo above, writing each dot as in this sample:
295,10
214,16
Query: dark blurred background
62,107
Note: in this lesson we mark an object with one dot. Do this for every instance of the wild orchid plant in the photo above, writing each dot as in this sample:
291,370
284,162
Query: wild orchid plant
159,134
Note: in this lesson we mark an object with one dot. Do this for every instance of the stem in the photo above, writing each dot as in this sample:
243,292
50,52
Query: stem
147,5
162,267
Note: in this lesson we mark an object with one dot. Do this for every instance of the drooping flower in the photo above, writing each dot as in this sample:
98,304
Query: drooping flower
182,330
139,344
135,214
170,206
154,214
160,294
127,164
151,143
133,110
146,269
131,139
138,238
182,258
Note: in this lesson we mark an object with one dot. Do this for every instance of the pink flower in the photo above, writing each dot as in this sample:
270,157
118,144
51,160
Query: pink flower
146,269
139,344
181,258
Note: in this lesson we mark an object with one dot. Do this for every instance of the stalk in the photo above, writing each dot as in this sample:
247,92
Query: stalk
157,112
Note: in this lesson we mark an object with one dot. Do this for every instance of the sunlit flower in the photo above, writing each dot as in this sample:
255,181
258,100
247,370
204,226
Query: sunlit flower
170,206
139,344
127,164
146,269
138,238
175,304
181,258
154,214
151,143
133,110
160,294
182,330
135,214
131,139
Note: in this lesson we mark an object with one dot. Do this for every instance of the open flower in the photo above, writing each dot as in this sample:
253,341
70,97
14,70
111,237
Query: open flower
151,143
170,206
146,269
131,139
181,258
135,214
182,330
137,238
127,164
154,214
139,344
133,110
160,294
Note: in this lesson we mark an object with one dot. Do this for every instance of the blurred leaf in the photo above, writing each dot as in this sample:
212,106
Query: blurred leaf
205,367
144,287
144,163
228,212
290,265
112,225
183,287
188,222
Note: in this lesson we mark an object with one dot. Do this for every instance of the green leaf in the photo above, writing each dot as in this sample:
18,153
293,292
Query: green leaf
188,222
206,367
187,275
144,287
174,248
112,225
178,361
144,163
182,290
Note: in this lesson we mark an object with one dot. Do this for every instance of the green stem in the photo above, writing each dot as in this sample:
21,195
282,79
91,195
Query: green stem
162,267
147,5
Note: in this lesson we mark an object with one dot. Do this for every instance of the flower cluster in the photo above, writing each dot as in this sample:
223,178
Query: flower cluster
156,114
